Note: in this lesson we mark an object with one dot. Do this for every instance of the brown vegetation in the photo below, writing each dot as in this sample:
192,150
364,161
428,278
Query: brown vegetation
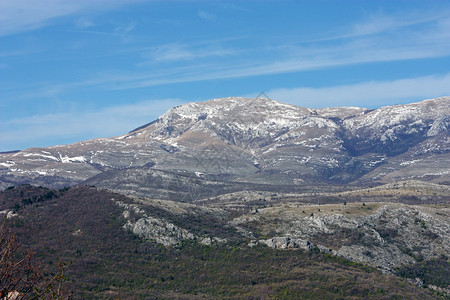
22,276
83,225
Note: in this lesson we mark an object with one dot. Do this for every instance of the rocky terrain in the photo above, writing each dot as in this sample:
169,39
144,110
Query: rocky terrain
87,225
380,234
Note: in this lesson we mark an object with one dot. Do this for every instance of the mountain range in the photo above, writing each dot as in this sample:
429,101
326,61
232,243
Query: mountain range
232,144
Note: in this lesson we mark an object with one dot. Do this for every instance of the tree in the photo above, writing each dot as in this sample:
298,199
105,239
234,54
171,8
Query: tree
21,275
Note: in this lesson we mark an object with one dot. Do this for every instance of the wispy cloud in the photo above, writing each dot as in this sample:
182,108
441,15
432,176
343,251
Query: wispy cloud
21,52
310,60
83,23
380,23
120,31
430,41
124,30
179,52
180,63
169,53
24,15
370,94
45,130
206,15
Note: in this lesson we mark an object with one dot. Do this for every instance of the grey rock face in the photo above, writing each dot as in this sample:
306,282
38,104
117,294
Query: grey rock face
159,230
162,232
381,235
287,243
440,125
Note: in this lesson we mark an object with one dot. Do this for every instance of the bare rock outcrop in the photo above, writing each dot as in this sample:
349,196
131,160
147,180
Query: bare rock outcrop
381,235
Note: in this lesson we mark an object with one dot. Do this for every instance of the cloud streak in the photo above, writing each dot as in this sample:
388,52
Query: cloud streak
206,15
180,52
230,59
365,46
73,126
372,94
25,15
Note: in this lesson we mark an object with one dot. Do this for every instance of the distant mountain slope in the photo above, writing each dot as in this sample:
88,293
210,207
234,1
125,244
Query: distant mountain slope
258,141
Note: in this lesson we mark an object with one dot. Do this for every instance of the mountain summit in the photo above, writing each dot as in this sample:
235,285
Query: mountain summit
252,142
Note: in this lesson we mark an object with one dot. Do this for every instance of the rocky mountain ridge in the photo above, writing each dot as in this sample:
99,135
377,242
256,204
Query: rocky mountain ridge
256,141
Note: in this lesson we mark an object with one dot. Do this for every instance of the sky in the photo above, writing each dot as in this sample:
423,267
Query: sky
72,70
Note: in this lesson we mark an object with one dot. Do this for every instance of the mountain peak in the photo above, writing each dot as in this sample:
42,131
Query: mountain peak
257,117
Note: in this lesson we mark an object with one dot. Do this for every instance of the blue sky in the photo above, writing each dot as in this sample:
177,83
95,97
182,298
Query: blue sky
75,70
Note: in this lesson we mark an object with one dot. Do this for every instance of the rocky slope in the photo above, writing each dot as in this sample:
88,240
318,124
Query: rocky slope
257,141
388,236
85,226
380,234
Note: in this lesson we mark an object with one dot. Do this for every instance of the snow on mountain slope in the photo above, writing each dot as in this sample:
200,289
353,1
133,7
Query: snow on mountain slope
255,140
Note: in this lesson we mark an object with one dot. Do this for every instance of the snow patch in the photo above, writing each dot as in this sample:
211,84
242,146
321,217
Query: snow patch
76,159
8,163
407,163
41,155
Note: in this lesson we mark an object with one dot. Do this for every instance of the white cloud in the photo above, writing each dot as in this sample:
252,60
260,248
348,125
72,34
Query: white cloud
380,23
169,52
124,30
429,41
23,15
370,94
386,24
364,42
73,126
83,23
179,52
206,16
305,60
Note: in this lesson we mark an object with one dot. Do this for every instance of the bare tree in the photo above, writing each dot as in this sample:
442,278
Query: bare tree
21,275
